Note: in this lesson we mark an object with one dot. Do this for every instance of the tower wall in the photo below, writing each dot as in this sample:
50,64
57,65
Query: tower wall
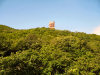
52,25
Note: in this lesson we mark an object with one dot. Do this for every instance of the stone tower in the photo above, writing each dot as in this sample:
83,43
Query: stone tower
52,25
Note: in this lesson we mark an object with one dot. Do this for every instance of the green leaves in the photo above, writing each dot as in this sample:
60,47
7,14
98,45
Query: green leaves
42,51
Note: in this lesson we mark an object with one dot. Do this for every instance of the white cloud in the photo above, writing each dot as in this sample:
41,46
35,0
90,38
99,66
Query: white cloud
97,30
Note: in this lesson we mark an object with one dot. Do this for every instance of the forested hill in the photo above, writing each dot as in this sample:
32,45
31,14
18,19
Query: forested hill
44,51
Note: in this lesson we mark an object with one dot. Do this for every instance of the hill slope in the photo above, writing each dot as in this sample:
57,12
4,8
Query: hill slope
44,51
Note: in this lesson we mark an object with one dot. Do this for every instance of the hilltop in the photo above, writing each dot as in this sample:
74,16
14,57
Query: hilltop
44,51
4,28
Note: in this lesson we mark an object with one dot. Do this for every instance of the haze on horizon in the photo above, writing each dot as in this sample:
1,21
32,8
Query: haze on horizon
73,15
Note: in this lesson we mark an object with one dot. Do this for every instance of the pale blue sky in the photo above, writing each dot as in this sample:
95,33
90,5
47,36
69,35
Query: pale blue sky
73,15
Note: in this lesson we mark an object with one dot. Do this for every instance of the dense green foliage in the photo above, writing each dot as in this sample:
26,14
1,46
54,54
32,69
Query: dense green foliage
43,51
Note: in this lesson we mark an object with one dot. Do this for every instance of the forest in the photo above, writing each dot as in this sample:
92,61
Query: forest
44,51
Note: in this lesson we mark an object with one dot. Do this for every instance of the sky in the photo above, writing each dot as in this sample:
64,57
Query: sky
73,15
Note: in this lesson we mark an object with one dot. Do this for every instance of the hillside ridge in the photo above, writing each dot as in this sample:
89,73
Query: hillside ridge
48,51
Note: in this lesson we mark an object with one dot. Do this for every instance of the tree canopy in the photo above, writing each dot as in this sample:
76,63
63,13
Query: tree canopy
44,51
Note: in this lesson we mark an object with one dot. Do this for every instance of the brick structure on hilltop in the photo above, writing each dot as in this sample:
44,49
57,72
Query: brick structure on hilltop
52,25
